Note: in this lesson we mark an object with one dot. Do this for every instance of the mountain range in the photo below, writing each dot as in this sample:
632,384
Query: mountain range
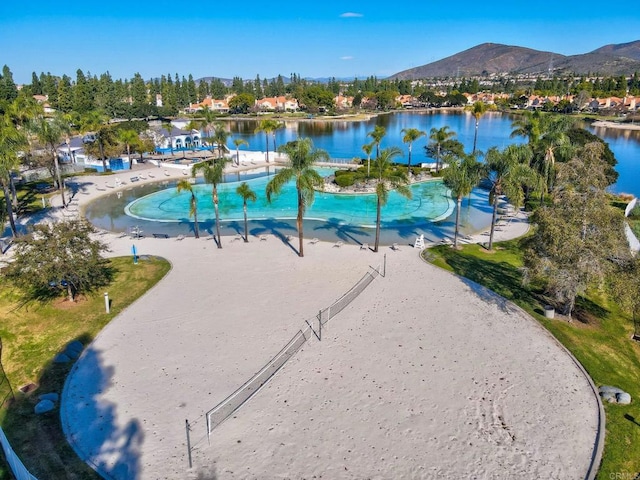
494,58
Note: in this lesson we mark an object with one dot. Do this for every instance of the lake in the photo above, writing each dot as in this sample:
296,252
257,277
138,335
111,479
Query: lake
344,139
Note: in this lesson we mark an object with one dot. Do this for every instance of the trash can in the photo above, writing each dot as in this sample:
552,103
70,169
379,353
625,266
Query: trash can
549,311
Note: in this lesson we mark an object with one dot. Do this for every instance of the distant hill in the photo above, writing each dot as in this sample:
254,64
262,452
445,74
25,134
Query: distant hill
489,58
628,50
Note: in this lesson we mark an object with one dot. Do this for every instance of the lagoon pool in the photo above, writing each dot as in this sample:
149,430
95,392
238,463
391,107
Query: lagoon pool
431,202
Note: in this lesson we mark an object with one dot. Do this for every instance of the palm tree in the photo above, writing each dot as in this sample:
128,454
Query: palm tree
548,139
94,121
387,177
49,134
478,109
185,185
508,171
238,142
368,148
213,172
12,141
244,190
441,142
301,156
267,126
128,137
462,176
168,126
410,136
377,135
220,136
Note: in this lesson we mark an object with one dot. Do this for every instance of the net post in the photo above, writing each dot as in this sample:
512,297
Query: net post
188,443
384,267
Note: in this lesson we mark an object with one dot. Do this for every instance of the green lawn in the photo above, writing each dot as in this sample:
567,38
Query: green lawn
599,339
32,334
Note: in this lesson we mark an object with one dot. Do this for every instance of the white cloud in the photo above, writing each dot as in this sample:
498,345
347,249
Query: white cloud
346,57
351,15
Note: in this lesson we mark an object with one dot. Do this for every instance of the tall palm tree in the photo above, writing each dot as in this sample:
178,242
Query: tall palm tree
49,134
377,134
387,178
213,172
367,148
410,136
478,109
244,190
238,142
12,141
184,185
94,121
128,137
168,126
439,140
301,155
508,171
549,140
268,126
463,175
220,137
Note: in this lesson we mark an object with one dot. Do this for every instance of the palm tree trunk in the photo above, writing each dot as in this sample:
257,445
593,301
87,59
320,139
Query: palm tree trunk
299,221
59,177
475,136
104,161
266,138
129,155
378,209
409,161
7,200
195,216
215,208
493,221
246,224
455,236
14,193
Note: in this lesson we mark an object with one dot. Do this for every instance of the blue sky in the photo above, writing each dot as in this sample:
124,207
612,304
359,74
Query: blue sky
313,39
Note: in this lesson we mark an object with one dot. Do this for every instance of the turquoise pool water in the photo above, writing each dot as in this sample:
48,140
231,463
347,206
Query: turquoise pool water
431,202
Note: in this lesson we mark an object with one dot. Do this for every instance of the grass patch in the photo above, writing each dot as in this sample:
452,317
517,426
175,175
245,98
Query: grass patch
32,334
600,340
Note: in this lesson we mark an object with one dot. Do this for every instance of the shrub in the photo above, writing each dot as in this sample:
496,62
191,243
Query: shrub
90,170
345,180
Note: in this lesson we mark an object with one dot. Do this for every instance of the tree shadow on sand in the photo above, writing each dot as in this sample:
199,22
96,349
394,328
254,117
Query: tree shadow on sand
89,421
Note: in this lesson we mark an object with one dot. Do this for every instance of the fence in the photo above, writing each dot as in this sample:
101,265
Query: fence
229,405
15,464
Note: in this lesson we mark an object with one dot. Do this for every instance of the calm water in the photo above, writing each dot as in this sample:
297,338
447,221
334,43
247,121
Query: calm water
344,140
429,202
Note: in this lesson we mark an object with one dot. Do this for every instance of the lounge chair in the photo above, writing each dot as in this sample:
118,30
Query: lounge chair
446,241
263,238
364,246
395,247
167,174
151,175
313,241
180,237
419,243
338,244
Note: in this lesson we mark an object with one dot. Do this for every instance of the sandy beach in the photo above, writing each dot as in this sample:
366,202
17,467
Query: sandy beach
616,125
423,376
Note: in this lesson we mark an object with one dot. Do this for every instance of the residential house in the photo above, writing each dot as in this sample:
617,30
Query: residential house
277,104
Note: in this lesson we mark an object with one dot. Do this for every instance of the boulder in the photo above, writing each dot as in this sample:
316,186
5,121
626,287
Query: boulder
54,397
44,406
610,389
623,398
61,358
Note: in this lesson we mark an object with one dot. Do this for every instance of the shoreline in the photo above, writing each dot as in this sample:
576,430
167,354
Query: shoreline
615,125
